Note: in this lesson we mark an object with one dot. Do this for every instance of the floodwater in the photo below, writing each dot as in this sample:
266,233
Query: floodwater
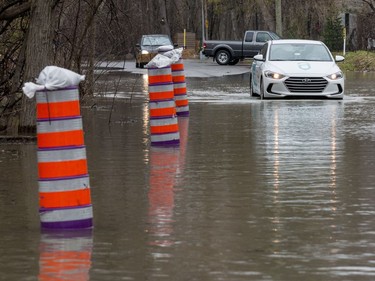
257,190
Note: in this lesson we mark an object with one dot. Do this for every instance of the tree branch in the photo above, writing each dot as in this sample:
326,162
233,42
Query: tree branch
371,4
13,12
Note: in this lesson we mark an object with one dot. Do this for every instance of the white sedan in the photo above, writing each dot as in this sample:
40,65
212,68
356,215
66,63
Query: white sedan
291,68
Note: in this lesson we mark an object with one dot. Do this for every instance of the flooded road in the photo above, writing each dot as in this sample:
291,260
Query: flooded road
257,190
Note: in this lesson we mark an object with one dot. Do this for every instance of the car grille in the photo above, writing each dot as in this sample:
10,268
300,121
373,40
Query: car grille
306,84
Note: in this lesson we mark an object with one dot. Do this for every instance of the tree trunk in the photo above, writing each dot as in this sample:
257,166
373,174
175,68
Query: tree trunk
38,55
164,25
268,17
279,26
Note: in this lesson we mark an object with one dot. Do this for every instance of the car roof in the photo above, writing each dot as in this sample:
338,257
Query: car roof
296,41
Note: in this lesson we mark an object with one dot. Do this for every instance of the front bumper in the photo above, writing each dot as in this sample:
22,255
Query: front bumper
144,58
307,88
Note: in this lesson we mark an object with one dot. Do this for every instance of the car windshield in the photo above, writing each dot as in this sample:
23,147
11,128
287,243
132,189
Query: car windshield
299,52
156,41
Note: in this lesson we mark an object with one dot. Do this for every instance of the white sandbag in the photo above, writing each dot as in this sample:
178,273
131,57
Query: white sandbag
159,61
174,54
52,78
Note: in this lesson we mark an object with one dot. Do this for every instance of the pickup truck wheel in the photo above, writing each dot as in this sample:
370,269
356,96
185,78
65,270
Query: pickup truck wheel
222,57
234,62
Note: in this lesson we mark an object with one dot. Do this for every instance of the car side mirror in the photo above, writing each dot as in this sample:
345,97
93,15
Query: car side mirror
137,45
339,58
175,45
258,57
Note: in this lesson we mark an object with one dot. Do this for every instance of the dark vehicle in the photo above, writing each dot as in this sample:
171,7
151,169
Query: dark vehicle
148,46
231,52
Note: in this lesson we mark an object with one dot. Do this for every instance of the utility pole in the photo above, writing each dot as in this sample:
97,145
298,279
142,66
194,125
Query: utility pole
279,24
203,23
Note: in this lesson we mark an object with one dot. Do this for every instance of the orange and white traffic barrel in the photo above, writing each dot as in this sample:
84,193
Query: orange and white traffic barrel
179,85
64,188
162,107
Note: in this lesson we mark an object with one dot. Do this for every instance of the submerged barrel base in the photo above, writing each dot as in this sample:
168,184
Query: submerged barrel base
183,113
67,218
166,143
79,224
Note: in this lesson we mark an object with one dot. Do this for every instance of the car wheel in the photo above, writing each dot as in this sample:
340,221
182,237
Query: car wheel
234,62
222,57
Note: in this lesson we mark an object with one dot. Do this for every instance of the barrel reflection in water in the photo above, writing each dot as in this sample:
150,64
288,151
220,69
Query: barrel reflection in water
65,255
166,163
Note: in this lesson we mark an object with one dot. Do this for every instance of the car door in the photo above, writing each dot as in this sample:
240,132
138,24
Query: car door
260,38
248,50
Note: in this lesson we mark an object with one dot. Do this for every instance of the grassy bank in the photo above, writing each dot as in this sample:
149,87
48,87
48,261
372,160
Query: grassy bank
358,61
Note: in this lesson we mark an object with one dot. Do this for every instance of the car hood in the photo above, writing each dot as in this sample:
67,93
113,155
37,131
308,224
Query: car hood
151,49
303,68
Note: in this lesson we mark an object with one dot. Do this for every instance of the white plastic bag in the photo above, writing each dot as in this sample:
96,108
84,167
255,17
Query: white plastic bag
159,61
174,54
52,78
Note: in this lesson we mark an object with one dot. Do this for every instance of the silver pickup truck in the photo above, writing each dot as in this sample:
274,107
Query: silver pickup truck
231,52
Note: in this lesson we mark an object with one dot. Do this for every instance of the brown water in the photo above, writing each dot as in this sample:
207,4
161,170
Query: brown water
257,190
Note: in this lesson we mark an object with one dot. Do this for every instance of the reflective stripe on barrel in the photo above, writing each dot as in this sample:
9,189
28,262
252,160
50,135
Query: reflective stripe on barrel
58,104
64,192
178,76
162,109
178,73
159,75
60,133
57,163
165,139
64,184
165,125
178,66
179,88
161,91
64,199
181,100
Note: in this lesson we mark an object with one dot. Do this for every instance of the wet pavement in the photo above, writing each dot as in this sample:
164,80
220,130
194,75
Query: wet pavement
257,190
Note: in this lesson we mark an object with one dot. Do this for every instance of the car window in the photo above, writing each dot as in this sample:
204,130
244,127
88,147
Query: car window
156,41
263,37
299,52
249,36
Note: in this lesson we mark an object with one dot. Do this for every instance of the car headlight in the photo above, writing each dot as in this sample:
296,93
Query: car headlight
273,75
144,52
336,76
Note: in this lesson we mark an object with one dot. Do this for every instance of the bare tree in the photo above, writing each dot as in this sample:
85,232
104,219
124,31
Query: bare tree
370,3
39,54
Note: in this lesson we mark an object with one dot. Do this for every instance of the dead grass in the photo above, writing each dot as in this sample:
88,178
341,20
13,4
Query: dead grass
359,61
